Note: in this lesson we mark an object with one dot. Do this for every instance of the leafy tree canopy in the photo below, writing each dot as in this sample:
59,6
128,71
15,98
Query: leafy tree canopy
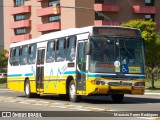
3,59
152,43
152,40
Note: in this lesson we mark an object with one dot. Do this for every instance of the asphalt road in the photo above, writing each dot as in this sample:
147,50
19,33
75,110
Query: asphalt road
97,107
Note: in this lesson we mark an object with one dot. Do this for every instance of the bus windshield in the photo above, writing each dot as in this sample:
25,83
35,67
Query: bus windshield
116,55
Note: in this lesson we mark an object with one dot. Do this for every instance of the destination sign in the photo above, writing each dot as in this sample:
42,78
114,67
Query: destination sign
116,31
104,65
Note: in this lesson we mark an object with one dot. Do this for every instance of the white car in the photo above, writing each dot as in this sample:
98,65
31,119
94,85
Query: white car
3,75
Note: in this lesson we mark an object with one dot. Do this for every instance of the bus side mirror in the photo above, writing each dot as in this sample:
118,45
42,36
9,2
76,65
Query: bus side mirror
88,48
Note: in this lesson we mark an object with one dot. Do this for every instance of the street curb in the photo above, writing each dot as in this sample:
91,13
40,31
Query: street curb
152,93
4,89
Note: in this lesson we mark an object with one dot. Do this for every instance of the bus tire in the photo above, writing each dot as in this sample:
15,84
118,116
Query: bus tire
117,98
72,93
28,93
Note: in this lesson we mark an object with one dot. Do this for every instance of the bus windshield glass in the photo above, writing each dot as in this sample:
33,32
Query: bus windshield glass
117,55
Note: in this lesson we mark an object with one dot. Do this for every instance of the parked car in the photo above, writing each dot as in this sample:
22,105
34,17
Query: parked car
3,75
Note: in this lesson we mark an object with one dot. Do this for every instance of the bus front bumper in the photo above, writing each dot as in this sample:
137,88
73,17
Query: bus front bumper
109,89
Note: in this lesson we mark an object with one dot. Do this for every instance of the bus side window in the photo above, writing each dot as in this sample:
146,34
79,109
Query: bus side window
50,52
11,56
24,55
60,51
32,54
71,48
16,57
66,47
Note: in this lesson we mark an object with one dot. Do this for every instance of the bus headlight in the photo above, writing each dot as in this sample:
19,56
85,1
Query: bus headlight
100,82
97,82
103,83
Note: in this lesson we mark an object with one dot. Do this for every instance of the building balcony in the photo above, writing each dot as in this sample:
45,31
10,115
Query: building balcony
20,9
19,38
20,24
49,27
106,8
144,9
106,22
46,11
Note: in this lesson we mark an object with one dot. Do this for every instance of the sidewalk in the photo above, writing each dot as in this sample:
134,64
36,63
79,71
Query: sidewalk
152,92
3,86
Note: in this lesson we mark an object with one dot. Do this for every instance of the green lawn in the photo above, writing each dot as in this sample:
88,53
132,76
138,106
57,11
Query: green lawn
3,82
2,85
149,84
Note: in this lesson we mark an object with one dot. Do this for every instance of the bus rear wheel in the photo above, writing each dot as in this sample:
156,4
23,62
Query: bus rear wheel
117,98
28,93
72,93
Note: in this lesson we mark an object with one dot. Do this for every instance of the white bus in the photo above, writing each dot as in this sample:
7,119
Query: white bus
79,62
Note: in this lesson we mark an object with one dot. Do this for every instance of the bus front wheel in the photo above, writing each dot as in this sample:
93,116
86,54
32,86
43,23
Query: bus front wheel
72,93
28,93
117,98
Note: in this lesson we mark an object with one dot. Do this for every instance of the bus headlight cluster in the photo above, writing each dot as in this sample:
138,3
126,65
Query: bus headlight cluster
100,82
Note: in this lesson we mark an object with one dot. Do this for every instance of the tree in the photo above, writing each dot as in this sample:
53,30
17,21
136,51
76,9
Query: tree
152,44
3,59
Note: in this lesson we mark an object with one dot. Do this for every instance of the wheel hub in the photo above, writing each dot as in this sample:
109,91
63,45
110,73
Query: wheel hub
72,91
27,89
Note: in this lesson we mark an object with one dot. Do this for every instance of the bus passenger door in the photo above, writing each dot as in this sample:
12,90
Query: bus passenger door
40,70
81,68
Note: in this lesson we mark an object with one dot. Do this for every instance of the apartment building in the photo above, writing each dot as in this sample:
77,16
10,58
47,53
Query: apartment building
1,26
124,10
27,19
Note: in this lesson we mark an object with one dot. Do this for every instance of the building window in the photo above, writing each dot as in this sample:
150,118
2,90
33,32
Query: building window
149,2
54,18
99,1
20,31
52,2
98,17
19,2
19,17
150,16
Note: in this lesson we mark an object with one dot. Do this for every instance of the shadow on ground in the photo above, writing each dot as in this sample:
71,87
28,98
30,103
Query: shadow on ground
105,99
153,88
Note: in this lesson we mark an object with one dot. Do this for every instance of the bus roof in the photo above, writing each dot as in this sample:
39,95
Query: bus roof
63,33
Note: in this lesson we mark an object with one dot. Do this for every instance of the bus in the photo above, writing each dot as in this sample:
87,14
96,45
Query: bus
79,62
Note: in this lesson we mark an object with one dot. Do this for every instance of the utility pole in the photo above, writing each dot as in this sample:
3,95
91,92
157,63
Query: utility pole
56,8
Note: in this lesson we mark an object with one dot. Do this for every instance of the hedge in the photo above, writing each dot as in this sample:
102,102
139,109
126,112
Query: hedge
3,80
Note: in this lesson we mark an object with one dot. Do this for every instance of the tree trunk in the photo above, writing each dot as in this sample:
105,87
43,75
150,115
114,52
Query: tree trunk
152,80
